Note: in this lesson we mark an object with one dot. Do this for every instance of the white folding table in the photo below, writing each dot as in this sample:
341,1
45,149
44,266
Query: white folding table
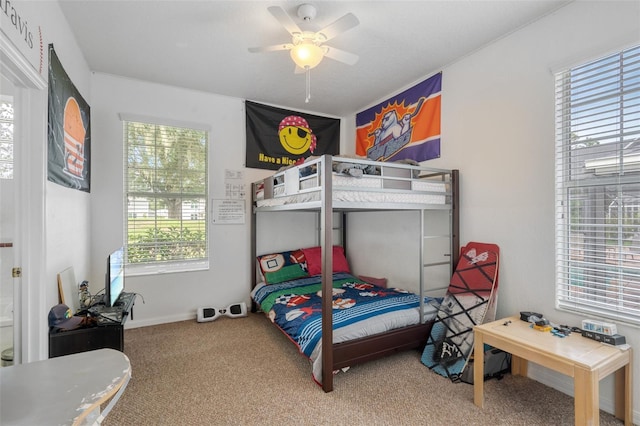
66,390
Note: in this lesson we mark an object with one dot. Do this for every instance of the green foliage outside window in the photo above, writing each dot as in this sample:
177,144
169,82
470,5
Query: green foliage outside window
166,181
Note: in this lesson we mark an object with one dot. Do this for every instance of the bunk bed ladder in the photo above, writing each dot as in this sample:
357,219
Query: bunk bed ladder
429,231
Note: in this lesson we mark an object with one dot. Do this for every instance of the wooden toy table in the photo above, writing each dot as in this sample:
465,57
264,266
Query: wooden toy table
586,360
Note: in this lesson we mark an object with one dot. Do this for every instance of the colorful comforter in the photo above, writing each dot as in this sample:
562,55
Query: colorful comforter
359,309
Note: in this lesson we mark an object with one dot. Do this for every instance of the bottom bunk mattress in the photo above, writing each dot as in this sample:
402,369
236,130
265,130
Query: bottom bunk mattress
360,309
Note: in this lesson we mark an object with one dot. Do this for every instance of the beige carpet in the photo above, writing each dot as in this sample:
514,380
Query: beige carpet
243,371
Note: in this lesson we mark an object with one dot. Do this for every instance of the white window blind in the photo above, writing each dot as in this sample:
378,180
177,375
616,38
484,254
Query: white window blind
598,187
6,137
166,196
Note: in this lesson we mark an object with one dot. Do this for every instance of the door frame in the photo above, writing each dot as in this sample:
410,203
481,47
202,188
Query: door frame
30,118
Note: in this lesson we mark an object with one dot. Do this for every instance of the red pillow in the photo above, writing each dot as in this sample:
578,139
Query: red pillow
380,282
314,260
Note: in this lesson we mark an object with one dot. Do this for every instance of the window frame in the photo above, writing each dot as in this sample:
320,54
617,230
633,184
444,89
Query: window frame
172,266
594,275
7,99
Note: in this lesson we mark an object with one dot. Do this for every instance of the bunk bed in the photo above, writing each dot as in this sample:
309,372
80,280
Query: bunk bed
339,185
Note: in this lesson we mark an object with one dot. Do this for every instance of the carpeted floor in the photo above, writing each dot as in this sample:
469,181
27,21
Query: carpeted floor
243,371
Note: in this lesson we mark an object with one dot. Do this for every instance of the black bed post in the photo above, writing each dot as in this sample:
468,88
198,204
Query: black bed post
326,227
455,217
343,226
254,248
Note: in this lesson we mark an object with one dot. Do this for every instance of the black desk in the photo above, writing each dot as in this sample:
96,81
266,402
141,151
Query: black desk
108,331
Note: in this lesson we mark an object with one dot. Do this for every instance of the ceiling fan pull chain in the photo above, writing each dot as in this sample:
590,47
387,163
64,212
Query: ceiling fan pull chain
308,77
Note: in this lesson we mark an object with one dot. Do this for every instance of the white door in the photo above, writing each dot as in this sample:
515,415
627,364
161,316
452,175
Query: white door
8,284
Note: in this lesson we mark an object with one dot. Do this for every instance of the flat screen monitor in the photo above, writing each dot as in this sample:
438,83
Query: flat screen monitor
114,284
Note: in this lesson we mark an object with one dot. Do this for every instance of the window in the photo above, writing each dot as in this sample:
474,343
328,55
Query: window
6,137
166,198
598,188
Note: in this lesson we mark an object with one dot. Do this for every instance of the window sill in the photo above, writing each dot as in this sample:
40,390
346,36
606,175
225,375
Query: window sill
133,270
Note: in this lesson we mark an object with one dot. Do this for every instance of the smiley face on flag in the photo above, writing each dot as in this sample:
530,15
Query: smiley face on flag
296,136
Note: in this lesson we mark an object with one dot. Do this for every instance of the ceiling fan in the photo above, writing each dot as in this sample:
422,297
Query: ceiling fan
307,48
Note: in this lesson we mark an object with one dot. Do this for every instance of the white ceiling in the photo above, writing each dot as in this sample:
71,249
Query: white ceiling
202,45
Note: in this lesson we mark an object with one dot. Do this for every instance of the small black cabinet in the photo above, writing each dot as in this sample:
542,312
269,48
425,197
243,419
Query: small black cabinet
107,333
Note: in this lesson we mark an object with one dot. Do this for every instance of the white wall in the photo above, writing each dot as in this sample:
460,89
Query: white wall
498,120
176,296
67,222
498,129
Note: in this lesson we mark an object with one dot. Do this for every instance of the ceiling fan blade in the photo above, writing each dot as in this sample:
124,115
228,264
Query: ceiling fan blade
343,24
340,55
273,48
284,18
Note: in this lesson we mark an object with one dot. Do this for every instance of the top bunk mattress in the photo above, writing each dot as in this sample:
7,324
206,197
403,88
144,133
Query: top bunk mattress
356,181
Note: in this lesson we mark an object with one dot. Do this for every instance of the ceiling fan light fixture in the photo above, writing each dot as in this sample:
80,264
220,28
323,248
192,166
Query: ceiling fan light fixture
307,55
307,48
